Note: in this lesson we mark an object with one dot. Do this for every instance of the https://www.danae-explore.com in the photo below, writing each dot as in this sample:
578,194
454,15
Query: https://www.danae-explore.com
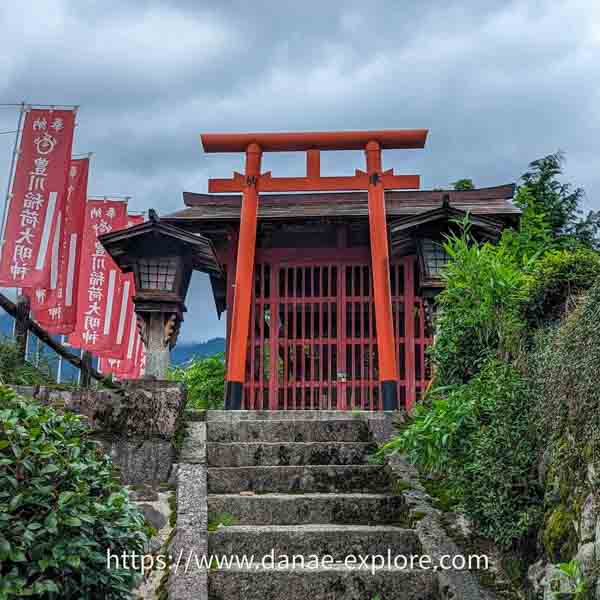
188,560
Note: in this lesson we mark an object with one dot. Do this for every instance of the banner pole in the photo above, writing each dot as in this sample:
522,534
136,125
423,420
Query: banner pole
79,372
60,362
11,173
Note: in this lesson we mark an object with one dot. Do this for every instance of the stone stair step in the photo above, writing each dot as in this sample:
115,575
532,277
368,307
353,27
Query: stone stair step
285,454
336,583
337,541
299,479
298,509
294,415
289,430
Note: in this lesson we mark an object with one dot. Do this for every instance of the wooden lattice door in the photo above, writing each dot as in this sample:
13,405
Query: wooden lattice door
313,338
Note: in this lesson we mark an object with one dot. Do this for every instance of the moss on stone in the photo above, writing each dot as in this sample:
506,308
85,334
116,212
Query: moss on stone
559,536
416,516
218,520
440,492
173,509
401,486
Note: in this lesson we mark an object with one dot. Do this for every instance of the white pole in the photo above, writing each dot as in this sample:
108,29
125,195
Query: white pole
79,374
60,362
13,161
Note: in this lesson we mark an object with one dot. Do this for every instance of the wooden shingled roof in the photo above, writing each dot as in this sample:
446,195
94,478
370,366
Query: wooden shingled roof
492,201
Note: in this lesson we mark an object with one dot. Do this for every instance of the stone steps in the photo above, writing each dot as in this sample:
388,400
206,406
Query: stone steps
335,583
298,484
299,479
337,541
289,430
255,454
292,415
300,509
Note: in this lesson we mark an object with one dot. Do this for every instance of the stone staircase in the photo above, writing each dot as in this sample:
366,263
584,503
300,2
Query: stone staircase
300,483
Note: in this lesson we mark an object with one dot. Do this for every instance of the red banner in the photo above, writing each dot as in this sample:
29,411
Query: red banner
126,286
126,367
55,308
36,197
131,366
98,293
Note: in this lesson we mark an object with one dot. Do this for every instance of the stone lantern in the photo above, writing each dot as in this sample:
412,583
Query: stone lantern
162,258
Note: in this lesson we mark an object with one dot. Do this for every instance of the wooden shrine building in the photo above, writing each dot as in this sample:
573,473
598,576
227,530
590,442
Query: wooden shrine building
328,280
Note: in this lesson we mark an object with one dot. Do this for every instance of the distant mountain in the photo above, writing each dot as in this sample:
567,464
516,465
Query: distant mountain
6,325
183,352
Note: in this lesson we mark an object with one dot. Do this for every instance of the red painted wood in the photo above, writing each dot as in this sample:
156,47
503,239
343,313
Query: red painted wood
267,183
297,141
380,266
322,347
409,330
240,322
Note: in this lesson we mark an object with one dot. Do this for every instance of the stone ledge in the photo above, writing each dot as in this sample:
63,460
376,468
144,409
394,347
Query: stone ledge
144,407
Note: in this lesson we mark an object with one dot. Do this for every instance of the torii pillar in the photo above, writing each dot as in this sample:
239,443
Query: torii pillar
244,272
374,180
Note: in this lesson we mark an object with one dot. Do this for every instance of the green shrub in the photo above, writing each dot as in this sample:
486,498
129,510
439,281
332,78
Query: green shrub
479,435
204,379
435,437
478,311
556,279
61,508
564,368
14,372
499,472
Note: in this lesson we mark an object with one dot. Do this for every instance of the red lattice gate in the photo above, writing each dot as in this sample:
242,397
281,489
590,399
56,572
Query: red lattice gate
312,343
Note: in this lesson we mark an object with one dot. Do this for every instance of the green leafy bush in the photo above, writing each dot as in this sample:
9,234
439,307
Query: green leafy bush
61,508
14,372
478,311
508,398
480,437
204,379
564,368
556,279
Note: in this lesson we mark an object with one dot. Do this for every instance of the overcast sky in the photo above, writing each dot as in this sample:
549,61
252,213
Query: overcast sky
498,84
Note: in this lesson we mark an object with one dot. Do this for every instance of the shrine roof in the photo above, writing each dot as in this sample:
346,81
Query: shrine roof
226,207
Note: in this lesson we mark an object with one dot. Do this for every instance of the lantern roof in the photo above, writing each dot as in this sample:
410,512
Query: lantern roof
157,238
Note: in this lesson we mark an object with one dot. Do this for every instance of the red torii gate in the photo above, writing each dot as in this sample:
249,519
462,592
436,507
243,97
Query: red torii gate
252,182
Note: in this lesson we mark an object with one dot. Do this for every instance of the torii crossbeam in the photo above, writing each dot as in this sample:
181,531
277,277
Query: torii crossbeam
252,182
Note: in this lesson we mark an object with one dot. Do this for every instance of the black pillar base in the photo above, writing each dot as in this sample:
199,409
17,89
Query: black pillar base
389,395
233,395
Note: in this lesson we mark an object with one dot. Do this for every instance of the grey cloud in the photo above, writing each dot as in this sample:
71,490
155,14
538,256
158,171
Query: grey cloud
498,84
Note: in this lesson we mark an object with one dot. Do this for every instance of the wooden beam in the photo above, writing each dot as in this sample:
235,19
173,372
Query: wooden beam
45,337
299,141
359,181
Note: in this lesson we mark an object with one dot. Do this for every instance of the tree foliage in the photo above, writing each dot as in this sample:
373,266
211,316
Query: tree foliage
560,203
204,379
479,426
463,184
478,311
61,508
14,372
